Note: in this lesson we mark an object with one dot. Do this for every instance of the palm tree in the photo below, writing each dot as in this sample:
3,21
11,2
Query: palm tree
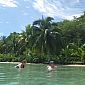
45,38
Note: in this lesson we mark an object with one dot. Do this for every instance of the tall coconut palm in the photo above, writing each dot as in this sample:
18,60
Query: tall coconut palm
45,38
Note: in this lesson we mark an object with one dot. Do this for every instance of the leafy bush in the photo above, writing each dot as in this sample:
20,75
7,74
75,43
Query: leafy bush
6,57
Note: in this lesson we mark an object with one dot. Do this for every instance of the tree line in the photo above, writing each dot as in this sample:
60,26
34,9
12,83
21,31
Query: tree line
45,40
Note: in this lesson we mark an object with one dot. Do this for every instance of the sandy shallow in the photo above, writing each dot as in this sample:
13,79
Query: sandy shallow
34,63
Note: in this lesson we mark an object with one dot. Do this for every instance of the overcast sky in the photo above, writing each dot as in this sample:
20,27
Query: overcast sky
16,14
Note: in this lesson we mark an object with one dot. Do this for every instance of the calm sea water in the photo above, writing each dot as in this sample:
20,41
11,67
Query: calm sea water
38,75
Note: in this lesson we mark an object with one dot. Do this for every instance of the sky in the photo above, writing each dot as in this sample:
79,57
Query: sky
16,14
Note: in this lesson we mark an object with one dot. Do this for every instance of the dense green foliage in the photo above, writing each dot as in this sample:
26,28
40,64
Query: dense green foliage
44,40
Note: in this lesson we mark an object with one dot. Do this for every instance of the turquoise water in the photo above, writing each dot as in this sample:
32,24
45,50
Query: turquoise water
38,75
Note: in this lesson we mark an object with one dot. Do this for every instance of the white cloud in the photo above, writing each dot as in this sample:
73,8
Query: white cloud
58,8
8,3
72,16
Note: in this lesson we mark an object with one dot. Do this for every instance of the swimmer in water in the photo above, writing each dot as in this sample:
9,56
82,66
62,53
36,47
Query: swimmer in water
21,65
51,66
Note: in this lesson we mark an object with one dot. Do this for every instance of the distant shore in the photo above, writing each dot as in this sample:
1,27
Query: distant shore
75,65
71,65
12,62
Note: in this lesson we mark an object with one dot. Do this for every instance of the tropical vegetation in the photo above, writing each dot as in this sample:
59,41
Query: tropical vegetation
45,40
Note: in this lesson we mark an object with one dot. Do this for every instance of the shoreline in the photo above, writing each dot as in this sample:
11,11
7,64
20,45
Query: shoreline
74,65
70,65
13,62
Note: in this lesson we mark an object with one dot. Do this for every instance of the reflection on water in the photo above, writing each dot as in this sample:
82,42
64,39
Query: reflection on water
38,75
